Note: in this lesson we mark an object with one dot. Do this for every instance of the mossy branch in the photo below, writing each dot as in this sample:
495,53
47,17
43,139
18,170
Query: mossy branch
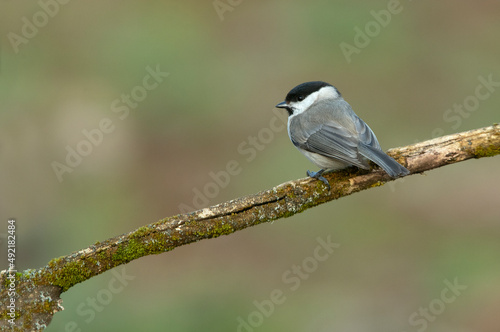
38,291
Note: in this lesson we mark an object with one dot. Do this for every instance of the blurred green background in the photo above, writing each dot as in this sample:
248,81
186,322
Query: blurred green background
227,70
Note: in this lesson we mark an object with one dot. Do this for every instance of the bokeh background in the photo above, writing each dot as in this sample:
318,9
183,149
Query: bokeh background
227,70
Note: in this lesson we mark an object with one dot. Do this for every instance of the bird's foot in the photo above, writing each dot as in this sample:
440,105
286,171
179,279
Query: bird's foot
317,175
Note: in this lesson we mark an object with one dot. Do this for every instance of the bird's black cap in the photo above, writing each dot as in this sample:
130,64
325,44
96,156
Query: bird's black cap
301,91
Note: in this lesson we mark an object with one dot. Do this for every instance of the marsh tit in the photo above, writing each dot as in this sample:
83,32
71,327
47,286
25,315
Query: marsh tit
323,126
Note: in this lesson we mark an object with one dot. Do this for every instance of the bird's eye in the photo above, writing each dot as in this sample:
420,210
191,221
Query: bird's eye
300,98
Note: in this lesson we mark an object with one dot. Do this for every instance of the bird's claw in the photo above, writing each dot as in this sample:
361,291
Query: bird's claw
317,175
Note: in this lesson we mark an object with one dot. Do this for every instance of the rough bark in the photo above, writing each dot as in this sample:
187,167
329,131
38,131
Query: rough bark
38,291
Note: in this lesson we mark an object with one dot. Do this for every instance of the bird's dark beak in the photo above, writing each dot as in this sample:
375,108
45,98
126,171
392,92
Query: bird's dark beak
282,105
285,106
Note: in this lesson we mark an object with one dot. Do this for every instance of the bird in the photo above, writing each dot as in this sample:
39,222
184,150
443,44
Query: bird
325,129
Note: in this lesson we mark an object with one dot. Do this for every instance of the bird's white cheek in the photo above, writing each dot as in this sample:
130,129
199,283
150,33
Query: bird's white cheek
301,106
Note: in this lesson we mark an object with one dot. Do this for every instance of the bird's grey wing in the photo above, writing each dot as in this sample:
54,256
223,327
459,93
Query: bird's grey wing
365,134
329,139
370,148
341,135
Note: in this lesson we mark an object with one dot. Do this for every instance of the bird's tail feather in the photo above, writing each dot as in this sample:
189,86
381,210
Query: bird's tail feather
391,166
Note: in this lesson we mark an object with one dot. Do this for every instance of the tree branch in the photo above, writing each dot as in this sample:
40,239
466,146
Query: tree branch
38,291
